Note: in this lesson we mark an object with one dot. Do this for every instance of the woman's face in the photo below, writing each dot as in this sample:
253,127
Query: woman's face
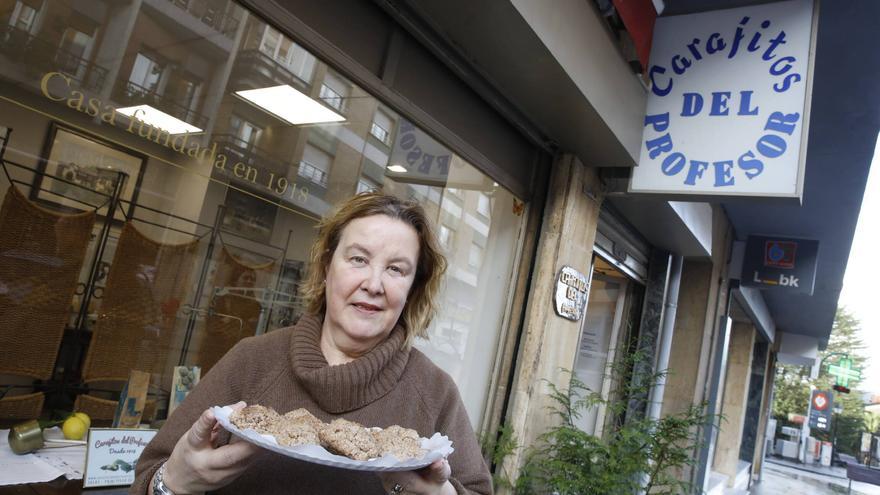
368,280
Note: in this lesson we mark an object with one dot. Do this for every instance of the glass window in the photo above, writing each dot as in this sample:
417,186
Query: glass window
298,60
74,51
475,255
24,16
315,165
76,42
189,93
247,133
146,72
365,184
218,193
483,207
444,234
286,52
271,42
334,91
380,128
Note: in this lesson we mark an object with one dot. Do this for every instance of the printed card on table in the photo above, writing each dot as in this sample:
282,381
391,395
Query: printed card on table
113,454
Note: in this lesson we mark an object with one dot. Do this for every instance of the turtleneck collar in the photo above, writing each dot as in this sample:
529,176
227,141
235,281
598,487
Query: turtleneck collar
349,386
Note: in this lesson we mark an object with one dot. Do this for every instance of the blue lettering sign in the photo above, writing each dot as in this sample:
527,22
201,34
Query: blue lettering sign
695,172
659,122
771,145
745,101
719,103
750,165
673,164
741,39
692,104
723,175
656,69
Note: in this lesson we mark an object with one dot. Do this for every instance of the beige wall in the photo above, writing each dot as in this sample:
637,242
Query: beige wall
769,374
694,301
736,393
549,342
701,300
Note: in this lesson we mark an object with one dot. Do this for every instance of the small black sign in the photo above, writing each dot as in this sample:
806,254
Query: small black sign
821,403
780,263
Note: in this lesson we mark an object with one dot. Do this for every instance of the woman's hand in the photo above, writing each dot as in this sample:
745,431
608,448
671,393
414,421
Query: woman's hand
196,465
430,480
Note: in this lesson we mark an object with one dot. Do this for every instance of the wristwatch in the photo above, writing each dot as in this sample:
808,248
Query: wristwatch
159,487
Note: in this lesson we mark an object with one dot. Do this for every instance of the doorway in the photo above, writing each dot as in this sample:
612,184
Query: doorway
611,317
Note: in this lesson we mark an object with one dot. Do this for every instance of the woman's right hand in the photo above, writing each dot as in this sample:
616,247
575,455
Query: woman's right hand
197,466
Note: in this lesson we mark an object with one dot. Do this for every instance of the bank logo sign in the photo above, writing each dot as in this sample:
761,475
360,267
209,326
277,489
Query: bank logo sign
780,264
727,112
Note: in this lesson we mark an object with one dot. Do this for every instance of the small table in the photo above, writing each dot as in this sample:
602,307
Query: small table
60,486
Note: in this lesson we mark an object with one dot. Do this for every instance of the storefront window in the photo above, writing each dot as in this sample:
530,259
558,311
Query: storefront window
603,330
162,188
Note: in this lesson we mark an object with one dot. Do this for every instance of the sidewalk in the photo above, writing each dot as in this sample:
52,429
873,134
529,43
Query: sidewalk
783,477
832,471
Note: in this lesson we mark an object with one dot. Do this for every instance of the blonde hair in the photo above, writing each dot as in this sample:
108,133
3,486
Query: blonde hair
421,301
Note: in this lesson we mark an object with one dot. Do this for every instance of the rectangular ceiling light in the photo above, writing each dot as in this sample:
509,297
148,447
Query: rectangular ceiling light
290,105
397,168
159,119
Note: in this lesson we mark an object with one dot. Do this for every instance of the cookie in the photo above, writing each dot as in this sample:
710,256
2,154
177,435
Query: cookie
302,415
291,434
259,418
350,439
402,443
297,427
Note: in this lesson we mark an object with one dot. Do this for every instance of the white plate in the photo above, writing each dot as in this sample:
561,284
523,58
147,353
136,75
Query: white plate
438,447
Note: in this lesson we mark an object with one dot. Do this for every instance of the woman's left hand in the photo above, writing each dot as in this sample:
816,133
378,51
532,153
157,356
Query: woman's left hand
430,480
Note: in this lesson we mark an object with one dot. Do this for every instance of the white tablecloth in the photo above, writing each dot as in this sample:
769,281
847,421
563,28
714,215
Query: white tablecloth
44,465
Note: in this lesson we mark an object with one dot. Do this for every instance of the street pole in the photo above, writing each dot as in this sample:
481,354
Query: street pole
805,430
833,432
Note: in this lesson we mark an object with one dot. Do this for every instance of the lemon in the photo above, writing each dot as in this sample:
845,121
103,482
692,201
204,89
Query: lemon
74,428
85,419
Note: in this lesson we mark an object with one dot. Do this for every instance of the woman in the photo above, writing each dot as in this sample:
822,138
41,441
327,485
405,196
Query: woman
374,276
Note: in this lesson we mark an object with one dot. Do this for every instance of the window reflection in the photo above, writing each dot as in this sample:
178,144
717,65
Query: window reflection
247,187
146,73
334,92
24,16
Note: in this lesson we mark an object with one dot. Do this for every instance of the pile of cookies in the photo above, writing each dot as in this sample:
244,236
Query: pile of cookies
343,437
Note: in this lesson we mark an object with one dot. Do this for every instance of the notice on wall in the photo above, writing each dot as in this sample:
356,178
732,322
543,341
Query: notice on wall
728,109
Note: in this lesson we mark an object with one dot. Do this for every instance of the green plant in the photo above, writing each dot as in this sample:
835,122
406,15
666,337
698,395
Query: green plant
635,453
497,445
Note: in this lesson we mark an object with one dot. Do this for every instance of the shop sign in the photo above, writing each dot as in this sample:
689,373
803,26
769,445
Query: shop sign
112,454
572,289
780,263
821,402
727,113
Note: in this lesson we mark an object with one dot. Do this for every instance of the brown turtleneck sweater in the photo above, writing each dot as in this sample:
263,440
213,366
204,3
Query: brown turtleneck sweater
286,370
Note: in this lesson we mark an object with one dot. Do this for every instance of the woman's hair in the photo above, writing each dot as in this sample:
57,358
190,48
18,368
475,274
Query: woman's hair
421,302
